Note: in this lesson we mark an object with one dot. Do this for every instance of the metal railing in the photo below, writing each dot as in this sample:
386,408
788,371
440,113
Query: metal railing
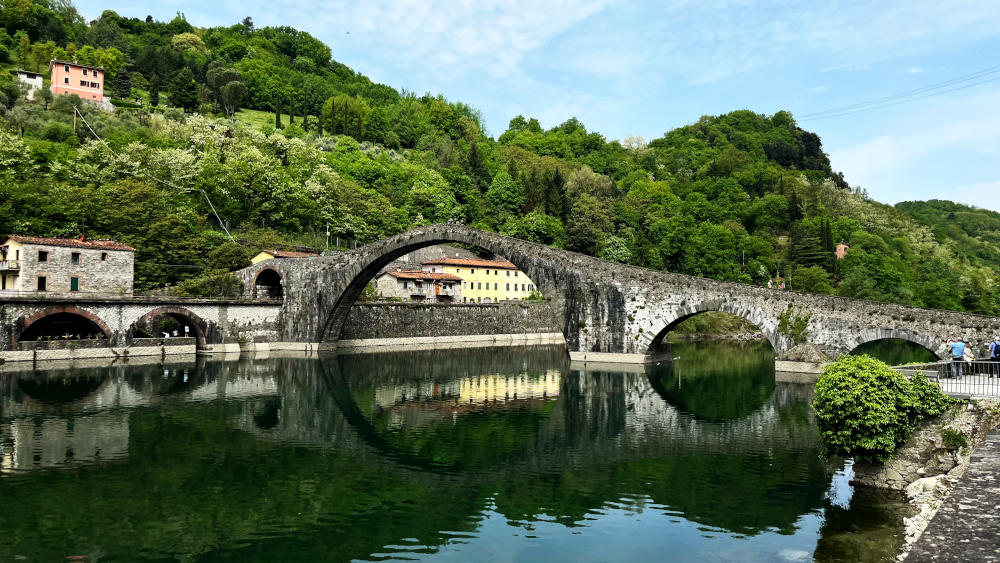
967,379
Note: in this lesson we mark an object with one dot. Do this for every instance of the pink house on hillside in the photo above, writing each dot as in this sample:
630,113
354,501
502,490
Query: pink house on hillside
82,80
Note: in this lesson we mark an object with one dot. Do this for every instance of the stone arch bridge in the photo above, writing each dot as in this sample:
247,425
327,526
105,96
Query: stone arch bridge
609,311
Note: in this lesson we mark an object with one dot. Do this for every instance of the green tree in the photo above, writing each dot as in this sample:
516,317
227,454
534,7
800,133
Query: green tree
123,85
184,90
505,196
154,90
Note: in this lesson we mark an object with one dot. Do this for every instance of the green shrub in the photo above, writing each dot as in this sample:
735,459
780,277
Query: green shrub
953,439
864,408
216,283
59,132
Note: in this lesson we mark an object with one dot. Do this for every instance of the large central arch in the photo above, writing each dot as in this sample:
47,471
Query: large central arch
379,255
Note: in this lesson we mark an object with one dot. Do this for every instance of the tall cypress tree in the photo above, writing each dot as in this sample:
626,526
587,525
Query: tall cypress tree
154,90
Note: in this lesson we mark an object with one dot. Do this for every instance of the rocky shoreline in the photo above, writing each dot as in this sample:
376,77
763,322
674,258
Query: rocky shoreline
926,468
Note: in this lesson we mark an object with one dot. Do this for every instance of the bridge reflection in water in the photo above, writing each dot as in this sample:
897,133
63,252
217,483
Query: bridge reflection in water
450,455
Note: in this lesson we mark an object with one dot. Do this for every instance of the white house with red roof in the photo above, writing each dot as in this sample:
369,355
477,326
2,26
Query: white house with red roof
410,285
65,266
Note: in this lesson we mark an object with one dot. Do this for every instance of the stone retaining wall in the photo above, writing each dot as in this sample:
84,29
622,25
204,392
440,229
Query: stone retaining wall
426,320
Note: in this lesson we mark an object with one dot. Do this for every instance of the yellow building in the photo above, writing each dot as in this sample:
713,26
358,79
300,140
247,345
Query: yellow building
268,254
484,281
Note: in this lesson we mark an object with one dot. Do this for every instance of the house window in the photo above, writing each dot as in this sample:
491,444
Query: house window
522,287
418,285
84,83
508,273
473,270
74,258
95,84
531,287
85,72
104,257
480,285
508,287
66,80
74,284
496,286
41,283
406,285
43,255
463,285
515,273
458,270
66,68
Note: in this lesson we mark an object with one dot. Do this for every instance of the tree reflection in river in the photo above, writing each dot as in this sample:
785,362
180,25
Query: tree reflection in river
449,455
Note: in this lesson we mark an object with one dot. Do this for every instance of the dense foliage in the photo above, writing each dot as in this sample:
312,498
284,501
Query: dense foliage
864,408
741,197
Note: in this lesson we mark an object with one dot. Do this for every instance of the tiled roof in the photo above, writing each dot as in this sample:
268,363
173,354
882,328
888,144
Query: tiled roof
58,62
472,262
70,242
424,276
290,253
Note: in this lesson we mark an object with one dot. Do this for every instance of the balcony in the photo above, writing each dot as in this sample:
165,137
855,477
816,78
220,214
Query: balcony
10,265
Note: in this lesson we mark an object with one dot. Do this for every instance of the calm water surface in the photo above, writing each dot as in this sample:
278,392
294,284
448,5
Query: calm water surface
485,455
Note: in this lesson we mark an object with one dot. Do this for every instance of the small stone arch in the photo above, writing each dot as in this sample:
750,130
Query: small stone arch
872,334
272,280
23,327
199,326
751,314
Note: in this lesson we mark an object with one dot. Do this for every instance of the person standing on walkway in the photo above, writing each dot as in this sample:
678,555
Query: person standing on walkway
995,356
957,348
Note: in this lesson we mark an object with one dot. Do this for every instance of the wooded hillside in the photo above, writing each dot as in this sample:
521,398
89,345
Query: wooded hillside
740,196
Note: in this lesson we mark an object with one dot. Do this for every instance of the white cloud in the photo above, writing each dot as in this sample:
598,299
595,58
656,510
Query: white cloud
915,70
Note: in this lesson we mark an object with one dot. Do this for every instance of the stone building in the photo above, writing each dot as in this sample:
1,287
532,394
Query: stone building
485,281
63,266
30,80
419,286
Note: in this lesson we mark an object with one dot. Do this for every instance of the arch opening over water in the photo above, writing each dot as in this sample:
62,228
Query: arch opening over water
64,323
896,351
474,292
894,346
170,320
709,322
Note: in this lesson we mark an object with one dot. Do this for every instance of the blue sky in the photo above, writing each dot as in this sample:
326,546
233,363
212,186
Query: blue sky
646,67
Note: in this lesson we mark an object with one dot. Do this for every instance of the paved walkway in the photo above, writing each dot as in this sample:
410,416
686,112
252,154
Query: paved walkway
967,527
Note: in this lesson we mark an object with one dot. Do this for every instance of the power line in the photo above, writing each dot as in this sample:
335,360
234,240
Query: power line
898,102
155,179
977,78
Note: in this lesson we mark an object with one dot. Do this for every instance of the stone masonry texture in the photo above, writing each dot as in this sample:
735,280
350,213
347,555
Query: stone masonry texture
605,307
407,320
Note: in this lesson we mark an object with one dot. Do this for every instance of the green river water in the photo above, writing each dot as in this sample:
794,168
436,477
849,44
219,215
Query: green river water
464,455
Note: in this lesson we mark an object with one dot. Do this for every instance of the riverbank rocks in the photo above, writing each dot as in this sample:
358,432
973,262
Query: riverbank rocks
810,353
925,469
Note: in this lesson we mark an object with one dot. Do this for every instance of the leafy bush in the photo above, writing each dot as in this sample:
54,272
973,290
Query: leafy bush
217,283
864,408
59,132
953,439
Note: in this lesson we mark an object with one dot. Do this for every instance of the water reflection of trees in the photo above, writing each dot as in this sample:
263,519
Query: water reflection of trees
217,456
712,383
